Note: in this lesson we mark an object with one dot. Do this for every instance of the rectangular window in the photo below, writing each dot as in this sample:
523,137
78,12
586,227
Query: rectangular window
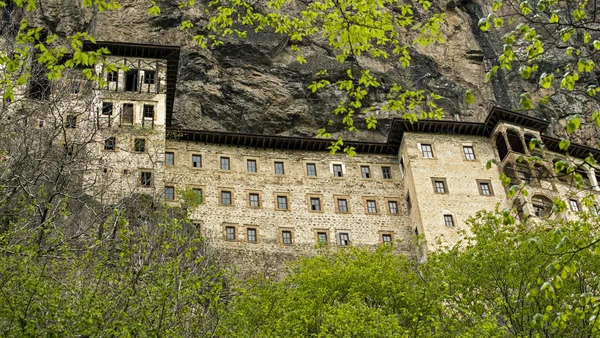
439,186
170,158
146,179
286,237
449,220
485,188
393,206
371,207
169,193
365,171
71,121
315,204
251,165
469,153
110,143
408,202
342,205
279,168
127,114
107,108
282,202
337,170
148,111
139,145
311,169
594,210
226,197
386,238
344,238
251,234
402,169
149,76
427,150
254,200
322,237
230,233
196,161
225,163
112,77
574,205
386,172
198,193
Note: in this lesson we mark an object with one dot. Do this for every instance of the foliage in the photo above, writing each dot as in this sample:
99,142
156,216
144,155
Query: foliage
506,280
154,276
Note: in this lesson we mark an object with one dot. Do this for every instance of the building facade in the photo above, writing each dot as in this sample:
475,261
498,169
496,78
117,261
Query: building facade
284,195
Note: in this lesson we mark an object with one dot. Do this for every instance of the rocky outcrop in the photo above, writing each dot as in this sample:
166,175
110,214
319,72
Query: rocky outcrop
256,85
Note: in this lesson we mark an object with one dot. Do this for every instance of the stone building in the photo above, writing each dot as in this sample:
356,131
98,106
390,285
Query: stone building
283,195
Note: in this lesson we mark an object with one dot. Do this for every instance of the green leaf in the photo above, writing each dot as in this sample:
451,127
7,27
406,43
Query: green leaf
546,80
469,97
553,18
484,24
526,102
573,125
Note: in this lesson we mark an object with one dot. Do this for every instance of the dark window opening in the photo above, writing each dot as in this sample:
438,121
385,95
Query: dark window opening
514,140
251,237
71,121
315,204
501,146
149,76
197,161
286,237
387,171
131,81
542,206
169,193
337,170
112,77
146,179
148,111
365,172
139,145
127,114
110,143
107,108
311,169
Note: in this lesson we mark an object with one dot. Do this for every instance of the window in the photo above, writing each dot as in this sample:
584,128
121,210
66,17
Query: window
148,111
371,207
75,87
311,169
315,204
594,210
365,171
112,77
230,233
337,170
225,163
342,205
449,220
198,193
139,145
408,202
107,108
146,179
68,150
254,200
427,150
282,202
110,143
469,153
344,239
279,168
149,76
402,169
386,173
127,114
439,186
485,188
386,238
169,193
574,205
226,197
170,158
41,124
196,161
286,237
71,121
251,165
393,207
322,237
251,235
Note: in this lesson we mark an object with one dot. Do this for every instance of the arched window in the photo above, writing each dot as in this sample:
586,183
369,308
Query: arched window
542,206
583,171
523,171
537,151
509,172
541,174
514,139
501,146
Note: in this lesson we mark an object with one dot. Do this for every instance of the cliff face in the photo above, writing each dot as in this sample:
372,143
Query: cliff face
254,85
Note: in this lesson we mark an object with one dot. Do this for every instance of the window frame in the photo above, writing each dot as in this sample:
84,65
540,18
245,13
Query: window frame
144,112
223,191
104,110
199,156
389,168
318,233
339,235
368,172
466,155
172,154
171,194
389,210
368,207
136,143
574,205
70,121
112,147
141,180
250,200
149,80
276,170
319,200
341,171
435,181
282,240
451,218
383,235
423,151
221,158
251,160
284,197
314,165
480,189
339,198
202,197
226,232
249,228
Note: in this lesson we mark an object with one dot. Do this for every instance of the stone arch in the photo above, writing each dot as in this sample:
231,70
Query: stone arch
584,171
515,141
537,151
542,205
501,146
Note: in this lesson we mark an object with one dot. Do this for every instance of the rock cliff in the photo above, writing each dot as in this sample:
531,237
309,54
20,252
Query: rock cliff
256,85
